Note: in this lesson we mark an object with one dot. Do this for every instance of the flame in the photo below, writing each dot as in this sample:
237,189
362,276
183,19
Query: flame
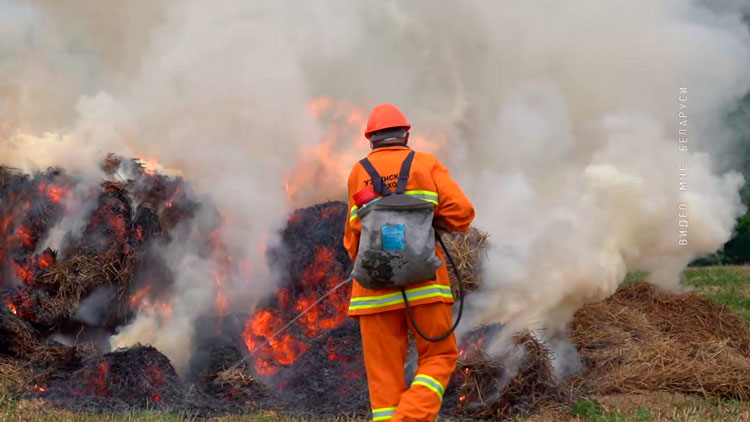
279,351
328,314
54,193
222,301
171,198
328,163
138,296
25,234
221,273
150,166
12,307
24,273
321,171
140,300
39,388
45,260
96,381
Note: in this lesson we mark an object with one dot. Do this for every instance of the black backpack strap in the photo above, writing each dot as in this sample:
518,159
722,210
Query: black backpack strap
377,182
403,175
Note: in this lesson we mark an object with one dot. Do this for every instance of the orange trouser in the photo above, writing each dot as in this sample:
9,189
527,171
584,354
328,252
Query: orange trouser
384,339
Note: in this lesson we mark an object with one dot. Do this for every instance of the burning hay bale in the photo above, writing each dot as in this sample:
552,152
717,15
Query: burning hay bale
466,249
17,337
518,382
308,361
329,379
645,339
137,377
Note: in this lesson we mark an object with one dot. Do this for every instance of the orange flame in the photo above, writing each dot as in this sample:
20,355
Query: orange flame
54,193
12,307
280,351
138,296
171,198
150,165
222,301
321,171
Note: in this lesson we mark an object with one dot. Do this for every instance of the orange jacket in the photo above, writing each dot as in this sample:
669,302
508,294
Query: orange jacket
429,179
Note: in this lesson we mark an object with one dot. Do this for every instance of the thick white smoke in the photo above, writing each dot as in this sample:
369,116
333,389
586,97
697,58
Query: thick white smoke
561,122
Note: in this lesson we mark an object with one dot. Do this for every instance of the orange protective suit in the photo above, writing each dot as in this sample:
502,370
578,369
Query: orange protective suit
382,317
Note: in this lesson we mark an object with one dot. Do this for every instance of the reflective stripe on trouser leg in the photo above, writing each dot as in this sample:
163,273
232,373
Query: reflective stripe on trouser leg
383,414
431,383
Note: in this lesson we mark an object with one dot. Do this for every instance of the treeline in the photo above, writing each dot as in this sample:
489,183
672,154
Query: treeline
737,249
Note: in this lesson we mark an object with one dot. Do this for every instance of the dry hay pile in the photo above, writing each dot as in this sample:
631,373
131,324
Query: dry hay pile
646,339
233,382
518,382
76,278
17,337
15,375
466,249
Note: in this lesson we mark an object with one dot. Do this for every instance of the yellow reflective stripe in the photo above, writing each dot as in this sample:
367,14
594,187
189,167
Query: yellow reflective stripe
421,192
369,302
431,383
378,305
424,195
383,413
353,213
430,295
416,289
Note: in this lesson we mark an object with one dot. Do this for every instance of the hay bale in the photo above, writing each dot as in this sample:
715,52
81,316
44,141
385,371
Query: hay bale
69,281
516,384
646,339
466,249
17,337
15,376
134,378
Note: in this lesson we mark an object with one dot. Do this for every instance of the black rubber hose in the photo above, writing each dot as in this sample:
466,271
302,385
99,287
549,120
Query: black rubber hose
460,294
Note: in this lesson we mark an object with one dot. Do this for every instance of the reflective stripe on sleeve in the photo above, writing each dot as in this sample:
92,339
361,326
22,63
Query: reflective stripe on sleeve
369,302
431,383
424,195
383,414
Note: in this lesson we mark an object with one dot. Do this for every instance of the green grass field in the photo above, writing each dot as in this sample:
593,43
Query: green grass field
727,285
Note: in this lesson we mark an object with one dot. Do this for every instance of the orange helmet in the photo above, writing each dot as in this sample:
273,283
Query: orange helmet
385,116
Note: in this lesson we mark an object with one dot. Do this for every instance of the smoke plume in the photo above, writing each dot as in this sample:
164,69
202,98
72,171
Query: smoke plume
561,123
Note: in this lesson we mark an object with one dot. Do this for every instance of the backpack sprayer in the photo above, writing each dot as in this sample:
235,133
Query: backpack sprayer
396,246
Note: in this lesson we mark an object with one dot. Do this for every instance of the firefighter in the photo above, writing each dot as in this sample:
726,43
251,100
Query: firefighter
381,312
